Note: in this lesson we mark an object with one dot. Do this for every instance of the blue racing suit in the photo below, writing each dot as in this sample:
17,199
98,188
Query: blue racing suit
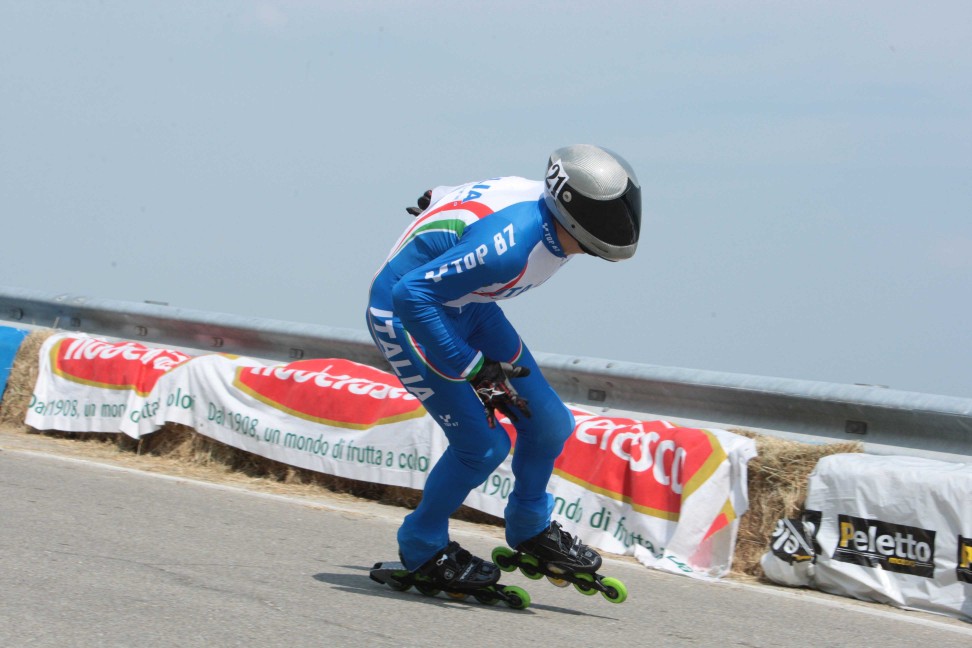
433,313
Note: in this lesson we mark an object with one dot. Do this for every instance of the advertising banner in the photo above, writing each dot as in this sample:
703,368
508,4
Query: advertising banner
331,416
889,529
90,385
670,496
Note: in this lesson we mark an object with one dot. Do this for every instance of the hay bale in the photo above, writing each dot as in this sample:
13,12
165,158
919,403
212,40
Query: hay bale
23,378
186,445
777,489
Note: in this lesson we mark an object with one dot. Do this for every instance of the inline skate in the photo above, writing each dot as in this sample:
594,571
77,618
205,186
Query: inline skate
456,572
564,560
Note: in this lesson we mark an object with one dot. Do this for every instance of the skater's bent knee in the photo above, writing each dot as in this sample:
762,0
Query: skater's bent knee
550,425
483,456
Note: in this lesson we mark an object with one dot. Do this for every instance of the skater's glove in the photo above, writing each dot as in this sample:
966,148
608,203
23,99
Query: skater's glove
492,385
423,203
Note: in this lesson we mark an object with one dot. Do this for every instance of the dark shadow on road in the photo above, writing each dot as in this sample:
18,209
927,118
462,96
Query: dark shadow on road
359,583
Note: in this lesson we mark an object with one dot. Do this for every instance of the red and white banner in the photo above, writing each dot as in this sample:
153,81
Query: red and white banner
90,385
671,496
331,416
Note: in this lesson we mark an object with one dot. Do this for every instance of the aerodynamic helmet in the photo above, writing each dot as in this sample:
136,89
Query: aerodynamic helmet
595,195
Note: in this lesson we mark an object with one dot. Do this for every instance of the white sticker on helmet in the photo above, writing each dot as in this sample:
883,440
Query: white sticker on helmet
556,178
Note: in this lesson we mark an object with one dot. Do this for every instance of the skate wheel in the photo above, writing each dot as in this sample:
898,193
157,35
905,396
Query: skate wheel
458,596
530,567
614,590
398,585
486,598
503,558
426,589
517,598
559,582
585,584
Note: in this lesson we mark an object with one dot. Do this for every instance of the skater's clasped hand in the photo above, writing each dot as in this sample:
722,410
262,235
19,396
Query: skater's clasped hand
492,385
423,203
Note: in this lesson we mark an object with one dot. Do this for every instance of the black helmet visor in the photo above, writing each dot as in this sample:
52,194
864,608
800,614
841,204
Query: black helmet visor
615,222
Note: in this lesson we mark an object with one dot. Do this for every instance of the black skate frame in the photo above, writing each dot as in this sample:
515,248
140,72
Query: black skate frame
396,576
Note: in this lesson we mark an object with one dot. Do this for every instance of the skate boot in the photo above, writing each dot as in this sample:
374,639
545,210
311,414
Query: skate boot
456,572
563,559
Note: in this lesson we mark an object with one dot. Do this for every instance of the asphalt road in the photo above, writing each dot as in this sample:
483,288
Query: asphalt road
95,555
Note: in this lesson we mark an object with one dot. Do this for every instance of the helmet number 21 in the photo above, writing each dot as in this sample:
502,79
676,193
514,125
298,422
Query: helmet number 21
556,178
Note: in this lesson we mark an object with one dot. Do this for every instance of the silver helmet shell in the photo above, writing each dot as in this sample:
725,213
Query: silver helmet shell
595,195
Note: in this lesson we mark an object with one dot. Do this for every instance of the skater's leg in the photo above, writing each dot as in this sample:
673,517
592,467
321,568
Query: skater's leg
474,450
530,505
539,441
540,438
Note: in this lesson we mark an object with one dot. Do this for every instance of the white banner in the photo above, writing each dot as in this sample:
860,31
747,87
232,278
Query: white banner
896,530
670,496
321,417
89,385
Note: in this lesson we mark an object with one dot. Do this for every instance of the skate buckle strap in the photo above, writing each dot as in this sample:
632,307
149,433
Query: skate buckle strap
472,566
575,547
574,550
449,573
566,541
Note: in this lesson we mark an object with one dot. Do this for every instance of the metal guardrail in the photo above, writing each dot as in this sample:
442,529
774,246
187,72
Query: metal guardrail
885,420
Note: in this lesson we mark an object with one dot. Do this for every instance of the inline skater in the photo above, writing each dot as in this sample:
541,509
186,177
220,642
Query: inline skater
433,313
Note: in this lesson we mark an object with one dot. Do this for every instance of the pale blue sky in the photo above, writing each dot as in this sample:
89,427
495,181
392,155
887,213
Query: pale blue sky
806,166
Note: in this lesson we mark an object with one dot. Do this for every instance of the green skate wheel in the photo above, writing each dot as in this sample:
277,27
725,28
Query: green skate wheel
585,584
530,567
427,589
503,558
615,591
519,599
